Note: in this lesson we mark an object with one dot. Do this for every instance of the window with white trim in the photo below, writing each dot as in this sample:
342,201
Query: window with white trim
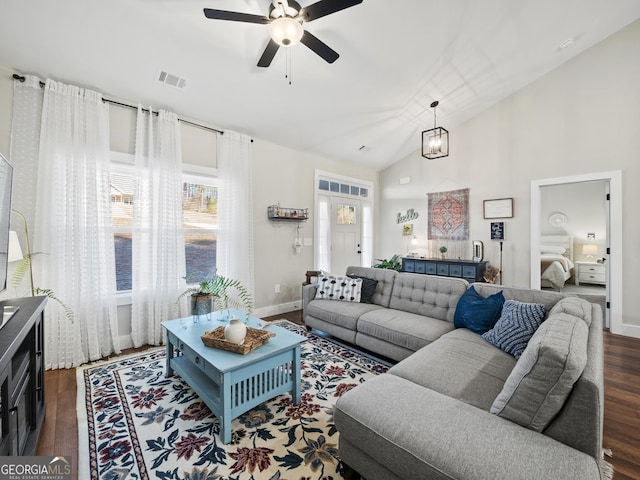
200,223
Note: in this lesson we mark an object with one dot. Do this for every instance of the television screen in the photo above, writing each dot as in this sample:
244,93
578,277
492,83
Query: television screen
6,177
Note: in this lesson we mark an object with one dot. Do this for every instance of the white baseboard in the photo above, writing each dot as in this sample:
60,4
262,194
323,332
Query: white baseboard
277,309
628,330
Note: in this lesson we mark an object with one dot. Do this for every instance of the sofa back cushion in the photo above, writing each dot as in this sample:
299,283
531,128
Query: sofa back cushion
543,377
427,295
525,295
385,277
578,307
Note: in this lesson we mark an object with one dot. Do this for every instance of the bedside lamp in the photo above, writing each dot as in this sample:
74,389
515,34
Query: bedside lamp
589,250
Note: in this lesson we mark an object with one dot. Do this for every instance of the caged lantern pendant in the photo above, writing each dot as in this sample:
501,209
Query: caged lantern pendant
435,142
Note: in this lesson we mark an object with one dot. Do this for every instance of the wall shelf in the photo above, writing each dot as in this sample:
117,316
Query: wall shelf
275,212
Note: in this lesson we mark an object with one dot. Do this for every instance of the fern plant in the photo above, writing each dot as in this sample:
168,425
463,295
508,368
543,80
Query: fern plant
219,287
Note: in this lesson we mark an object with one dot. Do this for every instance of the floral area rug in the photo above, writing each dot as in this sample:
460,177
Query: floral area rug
134,423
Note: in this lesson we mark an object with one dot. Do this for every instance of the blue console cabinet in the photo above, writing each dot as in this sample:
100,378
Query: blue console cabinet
470,270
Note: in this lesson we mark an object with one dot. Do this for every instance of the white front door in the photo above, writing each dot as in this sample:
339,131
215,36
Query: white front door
346,229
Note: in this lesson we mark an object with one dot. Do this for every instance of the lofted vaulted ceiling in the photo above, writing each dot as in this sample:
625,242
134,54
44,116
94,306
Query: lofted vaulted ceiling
396,57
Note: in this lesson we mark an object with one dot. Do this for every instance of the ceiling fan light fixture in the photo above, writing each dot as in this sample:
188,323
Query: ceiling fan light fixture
286,31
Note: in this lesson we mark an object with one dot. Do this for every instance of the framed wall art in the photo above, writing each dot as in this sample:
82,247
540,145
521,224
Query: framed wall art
497,230
498,208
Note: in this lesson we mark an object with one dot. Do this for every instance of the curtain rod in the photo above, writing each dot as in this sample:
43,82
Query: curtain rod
22,78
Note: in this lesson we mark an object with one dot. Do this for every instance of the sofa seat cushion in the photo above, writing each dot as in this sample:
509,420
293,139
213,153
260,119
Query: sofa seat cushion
461,365
405,329
544,376
344,314
418,433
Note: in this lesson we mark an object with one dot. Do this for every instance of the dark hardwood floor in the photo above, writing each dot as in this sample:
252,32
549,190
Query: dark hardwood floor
59,435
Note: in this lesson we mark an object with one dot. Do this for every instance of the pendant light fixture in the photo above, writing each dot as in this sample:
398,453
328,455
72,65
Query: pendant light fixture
435,142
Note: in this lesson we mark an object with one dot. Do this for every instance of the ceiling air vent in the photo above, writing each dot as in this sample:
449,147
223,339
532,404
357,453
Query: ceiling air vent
171,80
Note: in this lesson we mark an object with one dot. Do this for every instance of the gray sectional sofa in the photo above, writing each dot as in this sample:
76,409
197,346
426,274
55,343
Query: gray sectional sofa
457,406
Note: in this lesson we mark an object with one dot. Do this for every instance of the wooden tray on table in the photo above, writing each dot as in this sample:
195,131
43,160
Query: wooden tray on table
255,338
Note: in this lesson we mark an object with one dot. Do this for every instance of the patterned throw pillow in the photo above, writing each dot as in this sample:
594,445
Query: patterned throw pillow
368,288
516,326
345,289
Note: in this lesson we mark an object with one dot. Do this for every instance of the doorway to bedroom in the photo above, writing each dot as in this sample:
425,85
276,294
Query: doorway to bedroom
573,228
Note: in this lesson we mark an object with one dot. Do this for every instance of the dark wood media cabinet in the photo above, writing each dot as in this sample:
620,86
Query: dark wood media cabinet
470,270
22,405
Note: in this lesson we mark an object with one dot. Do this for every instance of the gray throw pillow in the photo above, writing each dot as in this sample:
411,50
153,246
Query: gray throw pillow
543,378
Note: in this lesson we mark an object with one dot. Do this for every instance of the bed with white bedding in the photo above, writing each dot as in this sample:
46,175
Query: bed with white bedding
556,260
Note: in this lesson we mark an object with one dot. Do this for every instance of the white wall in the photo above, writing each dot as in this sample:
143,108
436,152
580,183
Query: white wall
583,117
287,176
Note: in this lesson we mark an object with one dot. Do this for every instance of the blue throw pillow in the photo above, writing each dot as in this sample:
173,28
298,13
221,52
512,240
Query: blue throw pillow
477,313
516,326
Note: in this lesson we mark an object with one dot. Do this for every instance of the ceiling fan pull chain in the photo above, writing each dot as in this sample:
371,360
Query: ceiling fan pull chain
288,65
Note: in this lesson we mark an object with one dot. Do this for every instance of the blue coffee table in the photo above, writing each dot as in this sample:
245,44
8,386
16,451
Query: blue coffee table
231,383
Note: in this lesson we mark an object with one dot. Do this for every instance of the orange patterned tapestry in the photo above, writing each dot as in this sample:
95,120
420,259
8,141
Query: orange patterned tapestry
449,215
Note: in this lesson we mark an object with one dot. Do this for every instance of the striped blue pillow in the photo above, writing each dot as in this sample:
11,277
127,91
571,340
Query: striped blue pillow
516,326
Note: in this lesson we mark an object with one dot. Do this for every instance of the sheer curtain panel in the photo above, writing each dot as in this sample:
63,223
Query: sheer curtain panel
73,226
23,155
234,256
158,240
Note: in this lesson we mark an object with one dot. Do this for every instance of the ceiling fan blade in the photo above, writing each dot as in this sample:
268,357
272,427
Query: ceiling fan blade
325,7
319,47
235,16
268,54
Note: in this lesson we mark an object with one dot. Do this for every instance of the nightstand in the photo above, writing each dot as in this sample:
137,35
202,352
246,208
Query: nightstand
590,272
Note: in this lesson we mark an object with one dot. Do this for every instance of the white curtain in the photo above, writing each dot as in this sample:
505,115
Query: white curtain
158,241
73,226
23,155
234,256
323,224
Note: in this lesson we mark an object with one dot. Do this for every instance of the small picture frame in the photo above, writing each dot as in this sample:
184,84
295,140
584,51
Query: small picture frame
407,229
497,230
497,208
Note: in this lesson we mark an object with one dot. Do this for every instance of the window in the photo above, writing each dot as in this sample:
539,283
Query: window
346,215
200,217
200,223
122,190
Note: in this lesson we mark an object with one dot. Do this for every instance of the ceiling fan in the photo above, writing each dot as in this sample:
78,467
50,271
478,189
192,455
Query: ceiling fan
285,21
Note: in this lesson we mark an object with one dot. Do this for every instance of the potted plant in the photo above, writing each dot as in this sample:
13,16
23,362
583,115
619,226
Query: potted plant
443,250
392,264
214,292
